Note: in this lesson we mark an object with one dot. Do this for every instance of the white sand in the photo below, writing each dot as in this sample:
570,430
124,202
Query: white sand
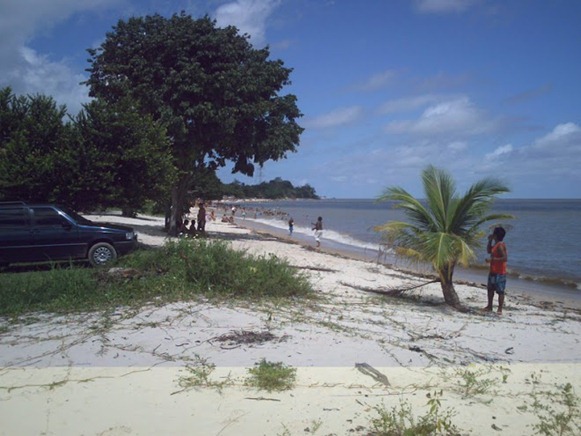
124,373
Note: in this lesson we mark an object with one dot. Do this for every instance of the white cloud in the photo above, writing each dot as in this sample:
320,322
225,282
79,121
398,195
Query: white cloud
563,136
28,72
377,81
550,160
249,16
459,116
444,6
408,103
499,152
335,118
36,74
547,167
457,146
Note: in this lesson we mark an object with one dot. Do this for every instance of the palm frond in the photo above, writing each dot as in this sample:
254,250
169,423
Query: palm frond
412,207
442,248
477,201
439,189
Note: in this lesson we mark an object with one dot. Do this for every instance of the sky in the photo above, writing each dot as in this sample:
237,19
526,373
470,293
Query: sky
480,88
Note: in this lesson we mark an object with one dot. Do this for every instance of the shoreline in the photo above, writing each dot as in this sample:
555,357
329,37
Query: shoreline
273,213
539,291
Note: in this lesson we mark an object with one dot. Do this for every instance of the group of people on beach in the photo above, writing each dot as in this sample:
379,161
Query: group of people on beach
189,229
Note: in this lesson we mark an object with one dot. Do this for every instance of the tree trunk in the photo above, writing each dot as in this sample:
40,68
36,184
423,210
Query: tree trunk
178,198
450,295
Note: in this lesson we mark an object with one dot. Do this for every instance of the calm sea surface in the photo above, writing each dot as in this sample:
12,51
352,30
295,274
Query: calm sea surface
544,241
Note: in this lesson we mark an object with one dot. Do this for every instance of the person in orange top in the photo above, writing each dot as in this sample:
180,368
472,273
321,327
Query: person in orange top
497,275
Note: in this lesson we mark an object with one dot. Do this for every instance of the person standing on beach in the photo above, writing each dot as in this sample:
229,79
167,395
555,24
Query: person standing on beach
291,226
497,274
318,228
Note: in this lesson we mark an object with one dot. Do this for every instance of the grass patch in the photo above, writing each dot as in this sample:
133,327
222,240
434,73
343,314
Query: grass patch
401,421
558,408
179,271
272,376
472,381
198,376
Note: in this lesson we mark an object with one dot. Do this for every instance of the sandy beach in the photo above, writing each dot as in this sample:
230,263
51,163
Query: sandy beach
357,353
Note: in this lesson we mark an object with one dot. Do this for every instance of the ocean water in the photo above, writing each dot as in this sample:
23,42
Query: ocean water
544,239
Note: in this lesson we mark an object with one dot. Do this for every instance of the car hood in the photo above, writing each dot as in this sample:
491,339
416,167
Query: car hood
119,227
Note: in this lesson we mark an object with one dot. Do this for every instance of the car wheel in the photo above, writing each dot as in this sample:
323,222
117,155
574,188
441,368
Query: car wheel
102,254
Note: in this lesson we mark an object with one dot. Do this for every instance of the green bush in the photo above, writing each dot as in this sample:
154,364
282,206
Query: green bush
271,376
180,270
403,421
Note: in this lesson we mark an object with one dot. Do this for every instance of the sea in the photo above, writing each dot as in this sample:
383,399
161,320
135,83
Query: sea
543,240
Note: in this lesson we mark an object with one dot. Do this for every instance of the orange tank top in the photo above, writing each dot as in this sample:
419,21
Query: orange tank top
497,266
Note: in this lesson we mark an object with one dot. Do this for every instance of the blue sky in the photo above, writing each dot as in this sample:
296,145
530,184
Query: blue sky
478,87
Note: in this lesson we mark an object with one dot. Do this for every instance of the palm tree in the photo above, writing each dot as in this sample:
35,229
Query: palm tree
444,229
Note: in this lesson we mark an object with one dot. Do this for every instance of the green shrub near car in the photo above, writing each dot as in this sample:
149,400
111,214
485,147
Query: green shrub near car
181,270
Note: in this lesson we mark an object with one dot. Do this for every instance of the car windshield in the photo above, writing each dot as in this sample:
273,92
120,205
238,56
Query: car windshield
74,215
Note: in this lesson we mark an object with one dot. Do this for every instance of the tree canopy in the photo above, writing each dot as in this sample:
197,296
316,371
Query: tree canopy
216,95
274,189
444,229
31,136
122,158
110,155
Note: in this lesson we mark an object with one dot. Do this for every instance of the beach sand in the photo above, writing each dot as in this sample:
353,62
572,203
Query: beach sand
183,368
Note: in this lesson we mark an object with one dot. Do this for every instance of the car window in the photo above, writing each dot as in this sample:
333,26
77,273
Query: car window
12,217
74,215
45,216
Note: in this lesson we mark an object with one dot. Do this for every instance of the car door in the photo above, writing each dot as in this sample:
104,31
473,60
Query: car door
54,236
15,234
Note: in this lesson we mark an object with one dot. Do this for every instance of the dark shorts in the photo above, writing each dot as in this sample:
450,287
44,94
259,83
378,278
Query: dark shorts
497,282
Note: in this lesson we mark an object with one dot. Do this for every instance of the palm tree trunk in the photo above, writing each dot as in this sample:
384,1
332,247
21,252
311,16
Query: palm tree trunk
450,295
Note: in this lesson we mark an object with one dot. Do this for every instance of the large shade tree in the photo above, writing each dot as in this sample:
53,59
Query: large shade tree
218,97
444,228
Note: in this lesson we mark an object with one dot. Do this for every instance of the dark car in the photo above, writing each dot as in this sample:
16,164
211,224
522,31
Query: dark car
46,232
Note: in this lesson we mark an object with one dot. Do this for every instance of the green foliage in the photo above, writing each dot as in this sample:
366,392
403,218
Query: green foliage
59,288
402,422
180,271
123,158
108,156
199,376
31,139
206,185
275,189
472,383
214,269
272,376
558,409
217,96
444,229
